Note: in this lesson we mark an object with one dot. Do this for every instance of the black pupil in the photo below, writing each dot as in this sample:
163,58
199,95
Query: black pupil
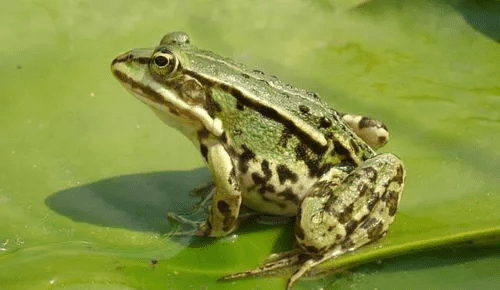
161,61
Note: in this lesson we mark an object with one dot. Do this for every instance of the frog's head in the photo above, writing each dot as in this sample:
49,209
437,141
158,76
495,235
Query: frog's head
157,77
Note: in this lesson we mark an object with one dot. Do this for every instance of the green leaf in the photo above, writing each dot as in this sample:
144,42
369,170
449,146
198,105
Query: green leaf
88,174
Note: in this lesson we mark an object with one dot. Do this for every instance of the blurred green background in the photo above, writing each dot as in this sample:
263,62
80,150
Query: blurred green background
88,173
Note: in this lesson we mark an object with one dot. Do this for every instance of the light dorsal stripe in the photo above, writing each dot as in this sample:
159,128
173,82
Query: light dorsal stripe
229,63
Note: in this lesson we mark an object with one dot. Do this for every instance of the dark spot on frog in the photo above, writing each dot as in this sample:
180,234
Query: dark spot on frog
347,244
329,135
258,179
143,60
350,226
330,203
211,106
399,175
368,222
232,152
312,160
374,232
265,81
400,170
363,189
366,122
223,137
245,75
382,140
204,151
165,50
304,109
266,170
340,150
370,204
232,176
262,180
322,189
287,96
243,159
174,111
289,195
324,122
225,210
301,152
371,173
258,72
285,174
391,198
354,146
266,188
285,136
237,131
313,94
312,249
346,214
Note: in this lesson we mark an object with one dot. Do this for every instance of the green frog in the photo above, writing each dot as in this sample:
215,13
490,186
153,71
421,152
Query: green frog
273,148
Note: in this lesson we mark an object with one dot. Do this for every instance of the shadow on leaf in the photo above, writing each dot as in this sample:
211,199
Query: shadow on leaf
137,201
141,202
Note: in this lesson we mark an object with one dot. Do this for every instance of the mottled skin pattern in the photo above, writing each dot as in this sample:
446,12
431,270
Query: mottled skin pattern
275,148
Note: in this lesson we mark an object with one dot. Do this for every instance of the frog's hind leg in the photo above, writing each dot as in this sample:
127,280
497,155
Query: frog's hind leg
276,263
372,131
336,218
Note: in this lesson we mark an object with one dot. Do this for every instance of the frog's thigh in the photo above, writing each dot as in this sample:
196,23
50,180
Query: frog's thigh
372,131
357,211
226,200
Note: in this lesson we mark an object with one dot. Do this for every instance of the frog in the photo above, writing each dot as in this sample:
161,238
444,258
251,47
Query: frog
273,148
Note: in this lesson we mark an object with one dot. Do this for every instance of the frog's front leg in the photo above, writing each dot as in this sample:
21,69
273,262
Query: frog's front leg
226,200
338,217
226,197
372,131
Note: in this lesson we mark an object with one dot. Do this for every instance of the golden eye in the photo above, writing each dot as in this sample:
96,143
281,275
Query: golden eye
164,62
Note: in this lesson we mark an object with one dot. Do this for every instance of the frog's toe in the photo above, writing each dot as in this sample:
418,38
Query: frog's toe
186,227
282,262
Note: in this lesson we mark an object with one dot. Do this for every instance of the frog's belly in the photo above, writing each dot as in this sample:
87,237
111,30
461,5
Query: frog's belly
263,191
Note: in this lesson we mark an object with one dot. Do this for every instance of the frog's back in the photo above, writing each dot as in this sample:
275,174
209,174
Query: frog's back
282,139
266,114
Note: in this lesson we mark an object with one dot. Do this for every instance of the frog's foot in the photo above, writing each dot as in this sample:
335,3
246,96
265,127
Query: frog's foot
372,131
203,189
308,265
187,227
275,263
204,203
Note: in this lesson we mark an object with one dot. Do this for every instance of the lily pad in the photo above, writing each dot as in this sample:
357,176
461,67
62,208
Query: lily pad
88,174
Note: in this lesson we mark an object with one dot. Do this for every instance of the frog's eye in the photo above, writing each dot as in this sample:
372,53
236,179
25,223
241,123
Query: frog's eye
164,62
